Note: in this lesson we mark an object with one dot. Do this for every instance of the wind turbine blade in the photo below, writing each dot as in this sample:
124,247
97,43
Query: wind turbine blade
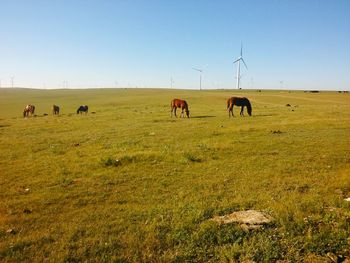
241,49
237,60
244,64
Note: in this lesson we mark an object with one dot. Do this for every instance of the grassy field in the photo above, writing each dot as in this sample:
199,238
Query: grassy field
131,184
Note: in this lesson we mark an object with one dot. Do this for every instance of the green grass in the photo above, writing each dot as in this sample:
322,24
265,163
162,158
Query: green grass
132,184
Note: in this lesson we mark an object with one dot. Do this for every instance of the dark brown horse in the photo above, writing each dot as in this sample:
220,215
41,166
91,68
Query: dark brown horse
55,110
29,109
243,102
177,103
83,108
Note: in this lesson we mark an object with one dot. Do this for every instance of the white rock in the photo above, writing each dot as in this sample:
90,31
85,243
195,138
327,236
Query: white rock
249,217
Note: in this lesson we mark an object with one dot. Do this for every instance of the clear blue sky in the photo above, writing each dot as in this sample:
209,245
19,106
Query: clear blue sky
126,43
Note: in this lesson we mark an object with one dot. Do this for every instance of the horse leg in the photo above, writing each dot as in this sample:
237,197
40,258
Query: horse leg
242,108
175,111
230,111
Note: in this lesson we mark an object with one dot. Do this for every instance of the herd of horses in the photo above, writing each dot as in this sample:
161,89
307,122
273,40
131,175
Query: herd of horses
29,110
175,104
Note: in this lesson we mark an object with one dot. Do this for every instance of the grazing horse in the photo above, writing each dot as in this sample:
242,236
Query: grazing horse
55,110
243,102
176,103
83,108
28,109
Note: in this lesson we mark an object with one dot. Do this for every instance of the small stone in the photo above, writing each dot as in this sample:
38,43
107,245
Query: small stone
10,231
117,162
347,199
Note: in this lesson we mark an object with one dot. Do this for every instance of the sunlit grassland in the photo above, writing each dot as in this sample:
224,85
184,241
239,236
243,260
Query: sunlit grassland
131,184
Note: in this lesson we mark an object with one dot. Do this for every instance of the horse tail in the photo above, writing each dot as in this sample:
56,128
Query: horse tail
78,110
228,103
249,107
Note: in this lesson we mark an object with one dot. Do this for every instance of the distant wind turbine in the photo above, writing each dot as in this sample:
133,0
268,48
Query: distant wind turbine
200,77
171,82
281,84
238,60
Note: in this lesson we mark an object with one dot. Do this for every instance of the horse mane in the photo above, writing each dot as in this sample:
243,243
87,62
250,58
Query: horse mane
186,105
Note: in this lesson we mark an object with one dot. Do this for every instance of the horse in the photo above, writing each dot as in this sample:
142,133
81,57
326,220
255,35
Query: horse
243,102
83,108
177,103
28,109
55,110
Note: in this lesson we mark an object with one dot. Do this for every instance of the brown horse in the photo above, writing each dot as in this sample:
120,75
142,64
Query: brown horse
28,109
243,102
55,110
177,103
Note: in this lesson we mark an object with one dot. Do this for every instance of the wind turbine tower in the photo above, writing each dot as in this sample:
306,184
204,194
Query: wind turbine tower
238,61
200,77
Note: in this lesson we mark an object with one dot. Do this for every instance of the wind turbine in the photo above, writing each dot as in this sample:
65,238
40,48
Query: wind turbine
238,60
200,77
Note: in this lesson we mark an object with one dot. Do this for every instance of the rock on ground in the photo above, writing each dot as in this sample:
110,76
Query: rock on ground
249,219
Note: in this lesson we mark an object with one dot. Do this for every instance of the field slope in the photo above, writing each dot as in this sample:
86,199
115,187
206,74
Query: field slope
130,184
